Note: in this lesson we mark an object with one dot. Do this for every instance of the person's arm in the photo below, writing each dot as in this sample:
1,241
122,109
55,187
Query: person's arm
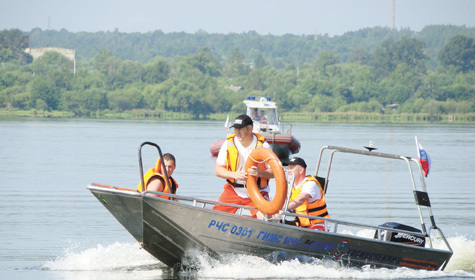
156,185
299,200
224,173
266,174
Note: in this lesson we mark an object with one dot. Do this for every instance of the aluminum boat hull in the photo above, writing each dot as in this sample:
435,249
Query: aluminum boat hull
169,230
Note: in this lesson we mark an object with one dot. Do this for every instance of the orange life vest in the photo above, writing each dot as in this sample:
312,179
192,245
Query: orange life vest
232,158
317,208
154,173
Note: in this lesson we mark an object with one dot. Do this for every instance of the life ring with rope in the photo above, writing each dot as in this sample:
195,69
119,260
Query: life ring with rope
259,155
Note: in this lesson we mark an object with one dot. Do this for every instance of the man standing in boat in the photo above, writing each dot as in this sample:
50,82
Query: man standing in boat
307,197
230,166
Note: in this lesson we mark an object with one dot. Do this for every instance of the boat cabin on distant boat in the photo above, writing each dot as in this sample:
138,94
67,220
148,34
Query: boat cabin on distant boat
264,114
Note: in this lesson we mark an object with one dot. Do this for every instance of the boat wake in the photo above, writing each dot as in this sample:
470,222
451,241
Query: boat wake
117,257
125,260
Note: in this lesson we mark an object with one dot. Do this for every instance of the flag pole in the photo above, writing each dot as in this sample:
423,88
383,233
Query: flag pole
417,146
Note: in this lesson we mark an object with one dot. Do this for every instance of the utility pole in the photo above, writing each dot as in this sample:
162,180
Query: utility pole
392,24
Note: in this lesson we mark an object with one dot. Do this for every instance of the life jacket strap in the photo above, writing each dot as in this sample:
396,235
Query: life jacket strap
235,184
323,207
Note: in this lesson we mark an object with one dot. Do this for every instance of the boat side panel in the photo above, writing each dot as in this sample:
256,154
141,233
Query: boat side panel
165,239
227,233
126,208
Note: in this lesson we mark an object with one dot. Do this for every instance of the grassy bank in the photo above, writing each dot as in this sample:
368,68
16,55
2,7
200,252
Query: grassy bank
356,117
353,117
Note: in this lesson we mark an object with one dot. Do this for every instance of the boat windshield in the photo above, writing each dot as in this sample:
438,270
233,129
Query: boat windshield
264,115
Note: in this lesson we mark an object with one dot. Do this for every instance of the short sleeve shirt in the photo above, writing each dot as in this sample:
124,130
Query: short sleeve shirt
244,153
312,189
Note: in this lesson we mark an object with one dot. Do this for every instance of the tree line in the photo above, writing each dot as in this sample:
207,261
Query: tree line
404,71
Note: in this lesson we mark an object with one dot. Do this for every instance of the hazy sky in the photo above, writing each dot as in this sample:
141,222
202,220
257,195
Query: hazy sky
332,17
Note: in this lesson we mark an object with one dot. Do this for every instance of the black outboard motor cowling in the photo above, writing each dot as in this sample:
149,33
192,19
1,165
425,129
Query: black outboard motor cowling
400,237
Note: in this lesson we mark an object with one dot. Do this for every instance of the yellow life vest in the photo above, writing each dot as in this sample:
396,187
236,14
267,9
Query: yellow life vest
155,172
232,158
317,208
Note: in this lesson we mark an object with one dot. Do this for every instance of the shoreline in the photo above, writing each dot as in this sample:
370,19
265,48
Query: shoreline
339,117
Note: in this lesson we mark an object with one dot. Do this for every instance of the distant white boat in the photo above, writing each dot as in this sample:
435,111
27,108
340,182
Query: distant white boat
263,112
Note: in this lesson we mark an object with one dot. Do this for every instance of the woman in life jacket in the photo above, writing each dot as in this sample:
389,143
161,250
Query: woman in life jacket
154,180
307,197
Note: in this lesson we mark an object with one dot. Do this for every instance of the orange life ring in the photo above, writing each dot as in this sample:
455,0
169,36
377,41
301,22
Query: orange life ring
259,155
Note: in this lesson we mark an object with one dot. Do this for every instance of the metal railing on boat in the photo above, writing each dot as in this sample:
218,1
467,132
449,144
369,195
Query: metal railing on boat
421,197
331,225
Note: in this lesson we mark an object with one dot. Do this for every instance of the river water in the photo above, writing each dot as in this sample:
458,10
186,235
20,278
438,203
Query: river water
51,227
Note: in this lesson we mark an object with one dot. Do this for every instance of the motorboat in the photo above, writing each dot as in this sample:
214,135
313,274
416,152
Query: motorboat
266,120
172,230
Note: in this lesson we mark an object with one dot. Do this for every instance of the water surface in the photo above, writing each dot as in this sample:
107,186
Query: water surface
51,227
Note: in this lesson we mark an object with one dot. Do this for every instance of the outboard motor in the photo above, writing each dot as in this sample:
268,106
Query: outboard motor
400,237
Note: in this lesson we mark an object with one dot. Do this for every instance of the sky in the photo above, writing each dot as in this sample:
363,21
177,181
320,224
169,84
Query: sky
277,17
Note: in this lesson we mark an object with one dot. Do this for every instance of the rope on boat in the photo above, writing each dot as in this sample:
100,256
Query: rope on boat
264,160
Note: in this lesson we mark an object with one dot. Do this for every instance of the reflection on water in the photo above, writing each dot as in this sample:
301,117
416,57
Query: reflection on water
52,227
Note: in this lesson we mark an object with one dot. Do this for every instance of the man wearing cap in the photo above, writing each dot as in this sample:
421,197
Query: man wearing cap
307,196
230,166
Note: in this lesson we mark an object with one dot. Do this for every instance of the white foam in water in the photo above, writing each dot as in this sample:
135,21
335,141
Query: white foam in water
245,267
461,265
115,256
464,254
129,257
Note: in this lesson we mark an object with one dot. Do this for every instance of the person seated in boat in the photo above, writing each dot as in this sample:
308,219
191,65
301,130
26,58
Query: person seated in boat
307,196
230,166
154,178
263,117
255,117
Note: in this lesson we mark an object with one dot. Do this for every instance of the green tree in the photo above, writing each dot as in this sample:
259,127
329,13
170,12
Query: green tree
259,61
400,85
325,60
128,72
15,97
156,71
383,58
359,55
411,51
205,62
298,99
12,45
46,93
84,80
51,61
280,83
84,101
182,97
458,52
235,66
107,64
390,54
256,80
322,103
123,99
53,75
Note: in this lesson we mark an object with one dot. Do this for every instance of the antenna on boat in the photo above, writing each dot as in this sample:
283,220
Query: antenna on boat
226,124
370,146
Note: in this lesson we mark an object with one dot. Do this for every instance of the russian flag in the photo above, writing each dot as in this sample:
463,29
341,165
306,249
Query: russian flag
424,158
